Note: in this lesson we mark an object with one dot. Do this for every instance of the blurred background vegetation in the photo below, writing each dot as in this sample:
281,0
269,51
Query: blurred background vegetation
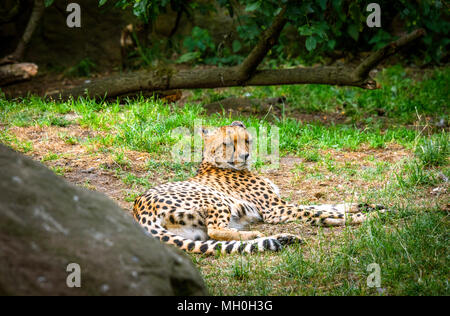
221,32
318,28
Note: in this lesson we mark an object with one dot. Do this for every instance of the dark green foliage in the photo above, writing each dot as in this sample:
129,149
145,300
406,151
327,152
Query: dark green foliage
82,69
322,26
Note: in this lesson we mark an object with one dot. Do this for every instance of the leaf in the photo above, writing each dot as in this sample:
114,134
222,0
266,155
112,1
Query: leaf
236,46
323,4
305,30
306,8
310,43
320,29
188,57
48,3
331,43
252,7
352,30
101,2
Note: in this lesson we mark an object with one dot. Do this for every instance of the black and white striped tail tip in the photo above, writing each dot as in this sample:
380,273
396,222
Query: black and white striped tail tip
277,242
288,239
272,243
364,207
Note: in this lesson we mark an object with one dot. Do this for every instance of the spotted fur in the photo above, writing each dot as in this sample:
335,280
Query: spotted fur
209,212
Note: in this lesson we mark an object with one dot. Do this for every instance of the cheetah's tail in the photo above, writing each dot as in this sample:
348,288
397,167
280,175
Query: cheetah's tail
211,247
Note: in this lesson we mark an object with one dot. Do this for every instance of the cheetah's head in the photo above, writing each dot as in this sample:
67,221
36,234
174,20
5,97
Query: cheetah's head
228,147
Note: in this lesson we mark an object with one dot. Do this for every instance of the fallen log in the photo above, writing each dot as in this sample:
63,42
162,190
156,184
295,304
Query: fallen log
245,74
12,73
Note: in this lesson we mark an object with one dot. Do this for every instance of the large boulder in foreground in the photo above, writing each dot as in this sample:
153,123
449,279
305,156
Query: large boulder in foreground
47,224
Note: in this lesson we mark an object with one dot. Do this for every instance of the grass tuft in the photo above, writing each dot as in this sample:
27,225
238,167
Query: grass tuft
434,151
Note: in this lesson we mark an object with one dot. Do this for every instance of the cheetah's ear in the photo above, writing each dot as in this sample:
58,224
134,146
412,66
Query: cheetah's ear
205,132
238,123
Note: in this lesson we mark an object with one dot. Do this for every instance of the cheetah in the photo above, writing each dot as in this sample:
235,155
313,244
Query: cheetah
208,213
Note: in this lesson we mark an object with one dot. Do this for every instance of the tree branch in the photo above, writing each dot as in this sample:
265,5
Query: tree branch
228,77
361,72
13,73
36,15
266,42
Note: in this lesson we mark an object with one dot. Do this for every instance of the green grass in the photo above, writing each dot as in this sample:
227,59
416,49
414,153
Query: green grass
296,136
434,151
414,174
146,124
49,157
121,160
10,139
58,170
339,265
181,171
375,173
133,180
71,140
407,267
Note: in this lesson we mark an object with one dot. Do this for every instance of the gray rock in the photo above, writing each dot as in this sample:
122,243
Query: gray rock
47,224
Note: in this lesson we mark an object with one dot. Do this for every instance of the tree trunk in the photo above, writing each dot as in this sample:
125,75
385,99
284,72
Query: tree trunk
9,13
241,75
36,15
13,73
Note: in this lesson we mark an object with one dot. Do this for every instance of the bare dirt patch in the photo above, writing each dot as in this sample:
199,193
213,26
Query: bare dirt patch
82,163
331,186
